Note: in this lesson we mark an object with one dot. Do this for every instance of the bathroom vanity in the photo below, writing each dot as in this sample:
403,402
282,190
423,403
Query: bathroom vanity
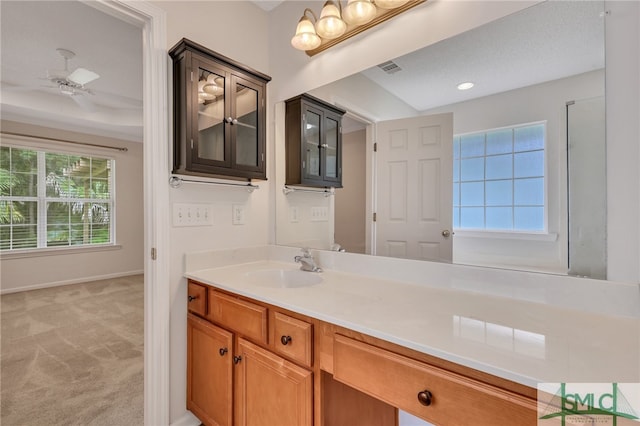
270,344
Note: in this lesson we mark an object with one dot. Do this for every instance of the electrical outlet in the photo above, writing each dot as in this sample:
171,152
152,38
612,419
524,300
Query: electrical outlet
238,214
192,215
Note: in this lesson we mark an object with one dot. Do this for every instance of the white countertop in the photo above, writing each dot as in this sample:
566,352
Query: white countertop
519,340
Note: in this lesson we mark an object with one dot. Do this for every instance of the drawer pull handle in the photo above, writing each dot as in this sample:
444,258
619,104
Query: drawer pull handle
237,359
223,351
425,397
285,340
192,298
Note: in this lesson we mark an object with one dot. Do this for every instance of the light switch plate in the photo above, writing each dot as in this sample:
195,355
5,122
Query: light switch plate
238,214
192,215
319,214
294,214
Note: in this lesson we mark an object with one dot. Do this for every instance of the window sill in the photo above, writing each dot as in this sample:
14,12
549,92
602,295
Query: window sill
56,251
502,235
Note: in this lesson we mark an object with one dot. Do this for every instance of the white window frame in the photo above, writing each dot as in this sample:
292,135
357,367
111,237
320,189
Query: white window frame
515,234
41,199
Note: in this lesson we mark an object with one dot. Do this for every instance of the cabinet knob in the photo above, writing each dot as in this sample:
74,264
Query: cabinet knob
223,351
192,298
237,359
285,340
425,397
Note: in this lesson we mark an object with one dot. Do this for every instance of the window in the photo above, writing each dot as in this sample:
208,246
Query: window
50,199
498,179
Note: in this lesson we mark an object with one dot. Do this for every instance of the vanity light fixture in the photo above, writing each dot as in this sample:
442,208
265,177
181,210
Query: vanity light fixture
337,24
465,86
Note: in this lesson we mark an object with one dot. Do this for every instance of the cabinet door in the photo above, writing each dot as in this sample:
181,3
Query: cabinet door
312,122
209,372
270,390
247,126
209,132
331,145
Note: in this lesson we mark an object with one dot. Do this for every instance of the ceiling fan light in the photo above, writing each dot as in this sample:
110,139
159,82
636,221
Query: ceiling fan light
82,76
390,4
306,37
330,25
67,90
359,12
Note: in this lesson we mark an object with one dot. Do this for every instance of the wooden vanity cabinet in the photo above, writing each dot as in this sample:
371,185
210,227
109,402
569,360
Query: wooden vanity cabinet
251,363
271,390
209,372
219,114
313,142
233,375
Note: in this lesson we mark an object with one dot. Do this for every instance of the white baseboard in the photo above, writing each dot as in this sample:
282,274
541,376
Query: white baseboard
187,419
72,281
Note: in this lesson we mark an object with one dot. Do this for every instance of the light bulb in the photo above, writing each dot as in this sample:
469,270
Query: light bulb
359,12
330,25
306,37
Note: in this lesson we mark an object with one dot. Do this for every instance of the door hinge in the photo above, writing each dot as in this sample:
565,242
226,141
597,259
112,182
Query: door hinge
375,217
154,253
191,75
375,147
191,143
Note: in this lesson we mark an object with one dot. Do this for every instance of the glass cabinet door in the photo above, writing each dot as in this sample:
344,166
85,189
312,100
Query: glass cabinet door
311,144
245,125
211,142
332,164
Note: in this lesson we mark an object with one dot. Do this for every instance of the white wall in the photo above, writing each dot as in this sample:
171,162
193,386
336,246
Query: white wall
45,270
350,200
236,29
541,102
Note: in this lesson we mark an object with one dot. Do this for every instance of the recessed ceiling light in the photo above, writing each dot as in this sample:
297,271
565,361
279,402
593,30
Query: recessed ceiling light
465,86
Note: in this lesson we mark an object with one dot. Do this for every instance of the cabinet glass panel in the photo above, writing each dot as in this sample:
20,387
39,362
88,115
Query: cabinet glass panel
247,126
211,127
312,144
331,154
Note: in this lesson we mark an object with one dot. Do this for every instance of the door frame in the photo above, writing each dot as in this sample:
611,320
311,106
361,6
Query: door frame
153,23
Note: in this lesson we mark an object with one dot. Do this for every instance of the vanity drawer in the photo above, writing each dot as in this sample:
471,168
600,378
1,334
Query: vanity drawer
197,298
447,398
246,318
292,338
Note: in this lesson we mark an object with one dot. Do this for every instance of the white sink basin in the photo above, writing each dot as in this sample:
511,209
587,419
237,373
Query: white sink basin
283,278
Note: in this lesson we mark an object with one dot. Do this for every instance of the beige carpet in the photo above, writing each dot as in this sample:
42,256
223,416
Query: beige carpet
73,355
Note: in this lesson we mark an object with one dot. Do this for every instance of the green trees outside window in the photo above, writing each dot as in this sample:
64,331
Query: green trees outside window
52,199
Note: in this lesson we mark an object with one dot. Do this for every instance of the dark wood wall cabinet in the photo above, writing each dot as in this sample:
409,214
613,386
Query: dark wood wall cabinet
313,142
219,114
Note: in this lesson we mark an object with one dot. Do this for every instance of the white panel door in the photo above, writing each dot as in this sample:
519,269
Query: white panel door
414,187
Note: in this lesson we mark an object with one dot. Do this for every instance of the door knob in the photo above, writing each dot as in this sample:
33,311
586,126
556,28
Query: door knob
446,233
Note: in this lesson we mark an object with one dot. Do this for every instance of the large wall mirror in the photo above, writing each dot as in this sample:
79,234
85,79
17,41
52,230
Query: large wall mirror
509,173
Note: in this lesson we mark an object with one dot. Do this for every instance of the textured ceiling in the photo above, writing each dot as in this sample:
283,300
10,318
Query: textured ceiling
31,31
545,42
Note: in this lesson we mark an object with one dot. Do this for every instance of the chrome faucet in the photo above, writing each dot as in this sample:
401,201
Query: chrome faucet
307,262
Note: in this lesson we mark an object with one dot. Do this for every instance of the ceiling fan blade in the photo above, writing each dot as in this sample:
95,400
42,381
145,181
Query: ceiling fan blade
82,76
84,102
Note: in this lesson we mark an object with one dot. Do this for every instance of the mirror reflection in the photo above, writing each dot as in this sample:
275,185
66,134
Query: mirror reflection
499,174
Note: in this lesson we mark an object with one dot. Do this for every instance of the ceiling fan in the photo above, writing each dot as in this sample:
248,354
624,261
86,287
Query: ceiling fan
72,83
